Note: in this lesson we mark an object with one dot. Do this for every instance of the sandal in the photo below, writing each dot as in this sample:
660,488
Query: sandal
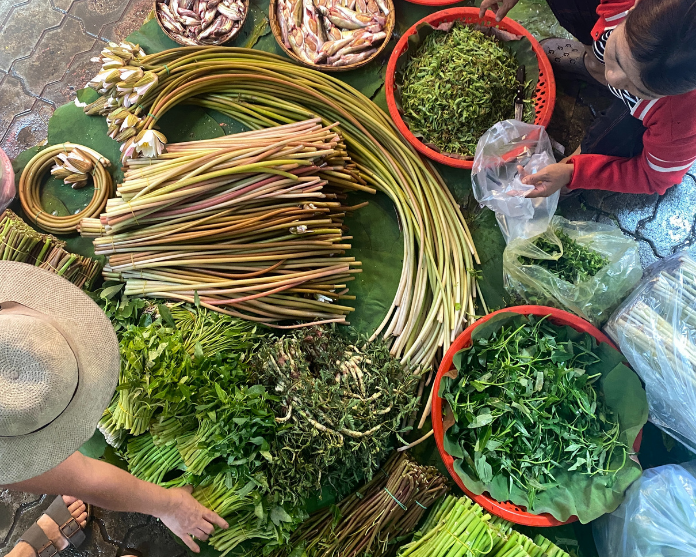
568,57
67,525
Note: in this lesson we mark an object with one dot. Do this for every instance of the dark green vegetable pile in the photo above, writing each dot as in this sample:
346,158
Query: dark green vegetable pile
256,424
524,405
577,263
457,85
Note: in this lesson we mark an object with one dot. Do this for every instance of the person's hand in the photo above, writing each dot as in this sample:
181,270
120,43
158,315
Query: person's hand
501,7
550,179
186,518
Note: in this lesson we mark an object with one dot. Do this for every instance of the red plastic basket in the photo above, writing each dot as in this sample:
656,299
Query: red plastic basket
507,510
545,94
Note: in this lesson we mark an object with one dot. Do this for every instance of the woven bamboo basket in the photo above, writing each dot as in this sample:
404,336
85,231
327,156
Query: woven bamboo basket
222,40
276,29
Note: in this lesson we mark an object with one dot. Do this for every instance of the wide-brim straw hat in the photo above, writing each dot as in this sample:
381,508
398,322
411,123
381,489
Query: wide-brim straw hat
59,366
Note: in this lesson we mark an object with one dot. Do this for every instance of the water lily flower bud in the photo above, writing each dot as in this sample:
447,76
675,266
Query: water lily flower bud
150,143
146,83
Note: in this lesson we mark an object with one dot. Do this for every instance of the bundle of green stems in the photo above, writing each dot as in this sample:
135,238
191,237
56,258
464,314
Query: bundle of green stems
370,521
20,243
249,225
436,292
459,527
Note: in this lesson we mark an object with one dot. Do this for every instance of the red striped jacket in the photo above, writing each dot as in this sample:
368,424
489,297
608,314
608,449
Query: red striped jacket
669,139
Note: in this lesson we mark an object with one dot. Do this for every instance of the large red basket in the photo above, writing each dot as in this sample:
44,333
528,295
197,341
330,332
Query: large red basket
545,94
507,510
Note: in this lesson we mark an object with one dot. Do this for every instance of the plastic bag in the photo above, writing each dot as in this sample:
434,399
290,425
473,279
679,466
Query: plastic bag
594,298
655,330
657,517
7,181
496,179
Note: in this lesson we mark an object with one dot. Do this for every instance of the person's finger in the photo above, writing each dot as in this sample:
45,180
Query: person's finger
188,541
201,535
206,527
538,192
188,488
488,4
501,12
214,518
535,178
521,171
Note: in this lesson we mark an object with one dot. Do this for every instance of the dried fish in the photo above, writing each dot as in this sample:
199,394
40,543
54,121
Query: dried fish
195,22
348,19
353,58
383,6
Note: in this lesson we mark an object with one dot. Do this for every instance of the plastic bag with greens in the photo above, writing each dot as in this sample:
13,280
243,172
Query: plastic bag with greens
657,517
655,329
581,266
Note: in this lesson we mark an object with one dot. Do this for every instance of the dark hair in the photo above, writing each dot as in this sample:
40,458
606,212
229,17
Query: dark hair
661,36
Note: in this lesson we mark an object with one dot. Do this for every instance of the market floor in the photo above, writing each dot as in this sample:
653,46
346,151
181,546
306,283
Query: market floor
45,51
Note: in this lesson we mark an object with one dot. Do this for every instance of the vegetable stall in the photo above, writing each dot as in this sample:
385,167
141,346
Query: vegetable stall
285,274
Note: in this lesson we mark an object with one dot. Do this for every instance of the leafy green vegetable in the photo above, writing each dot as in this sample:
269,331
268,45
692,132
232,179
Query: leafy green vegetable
338,404
575,263
456,86
526,404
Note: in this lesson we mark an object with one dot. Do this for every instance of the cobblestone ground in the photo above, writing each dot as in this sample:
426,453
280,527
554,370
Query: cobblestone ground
45,51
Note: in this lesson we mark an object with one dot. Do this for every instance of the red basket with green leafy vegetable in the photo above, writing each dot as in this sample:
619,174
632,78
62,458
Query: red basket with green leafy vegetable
543,92
576,495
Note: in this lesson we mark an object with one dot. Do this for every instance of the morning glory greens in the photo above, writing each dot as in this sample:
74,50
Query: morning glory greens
525,406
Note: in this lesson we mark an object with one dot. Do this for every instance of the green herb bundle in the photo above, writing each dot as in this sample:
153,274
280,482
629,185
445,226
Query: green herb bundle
459,527
456,86
526,405
576,262
380,514
184,413
338,403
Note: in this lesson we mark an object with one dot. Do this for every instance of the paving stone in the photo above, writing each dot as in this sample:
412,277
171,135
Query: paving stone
53,55
646,254
675,217
10,502
80,71
28,512
6,6
23,29
153,539
630,209
133,17
94,14
63,5
575,208
27,130
13,100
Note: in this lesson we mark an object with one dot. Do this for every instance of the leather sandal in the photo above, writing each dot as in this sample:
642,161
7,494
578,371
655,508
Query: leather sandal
67,525
568,56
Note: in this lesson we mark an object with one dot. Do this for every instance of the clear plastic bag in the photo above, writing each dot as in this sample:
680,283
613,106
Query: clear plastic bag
655,330
657,517
7,181
593,298
496,180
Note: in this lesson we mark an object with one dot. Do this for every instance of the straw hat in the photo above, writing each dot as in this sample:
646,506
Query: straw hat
59,365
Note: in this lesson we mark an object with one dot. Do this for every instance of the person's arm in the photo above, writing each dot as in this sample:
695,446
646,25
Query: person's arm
105,486
500,7
669,151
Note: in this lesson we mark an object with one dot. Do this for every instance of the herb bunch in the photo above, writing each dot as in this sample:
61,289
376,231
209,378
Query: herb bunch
524,405
379,514
338,404
456,86
576,263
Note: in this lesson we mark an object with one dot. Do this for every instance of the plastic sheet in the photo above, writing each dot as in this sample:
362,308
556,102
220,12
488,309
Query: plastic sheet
655,330
594,298
496,179
657,517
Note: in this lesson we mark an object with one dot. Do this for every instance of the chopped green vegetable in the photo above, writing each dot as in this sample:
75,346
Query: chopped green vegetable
457,85
576,262
524,405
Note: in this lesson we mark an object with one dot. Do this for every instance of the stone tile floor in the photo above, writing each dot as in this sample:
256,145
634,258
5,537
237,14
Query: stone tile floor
45,51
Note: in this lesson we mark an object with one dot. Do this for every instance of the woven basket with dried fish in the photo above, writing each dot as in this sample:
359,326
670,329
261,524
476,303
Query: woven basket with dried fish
201,22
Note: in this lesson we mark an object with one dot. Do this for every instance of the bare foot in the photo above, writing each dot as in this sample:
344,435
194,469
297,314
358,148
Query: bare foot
77,508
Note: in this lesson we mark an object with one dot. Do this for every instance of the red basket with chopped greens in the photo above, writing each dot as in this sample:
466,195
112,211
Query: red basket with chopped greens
537,417
452,94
